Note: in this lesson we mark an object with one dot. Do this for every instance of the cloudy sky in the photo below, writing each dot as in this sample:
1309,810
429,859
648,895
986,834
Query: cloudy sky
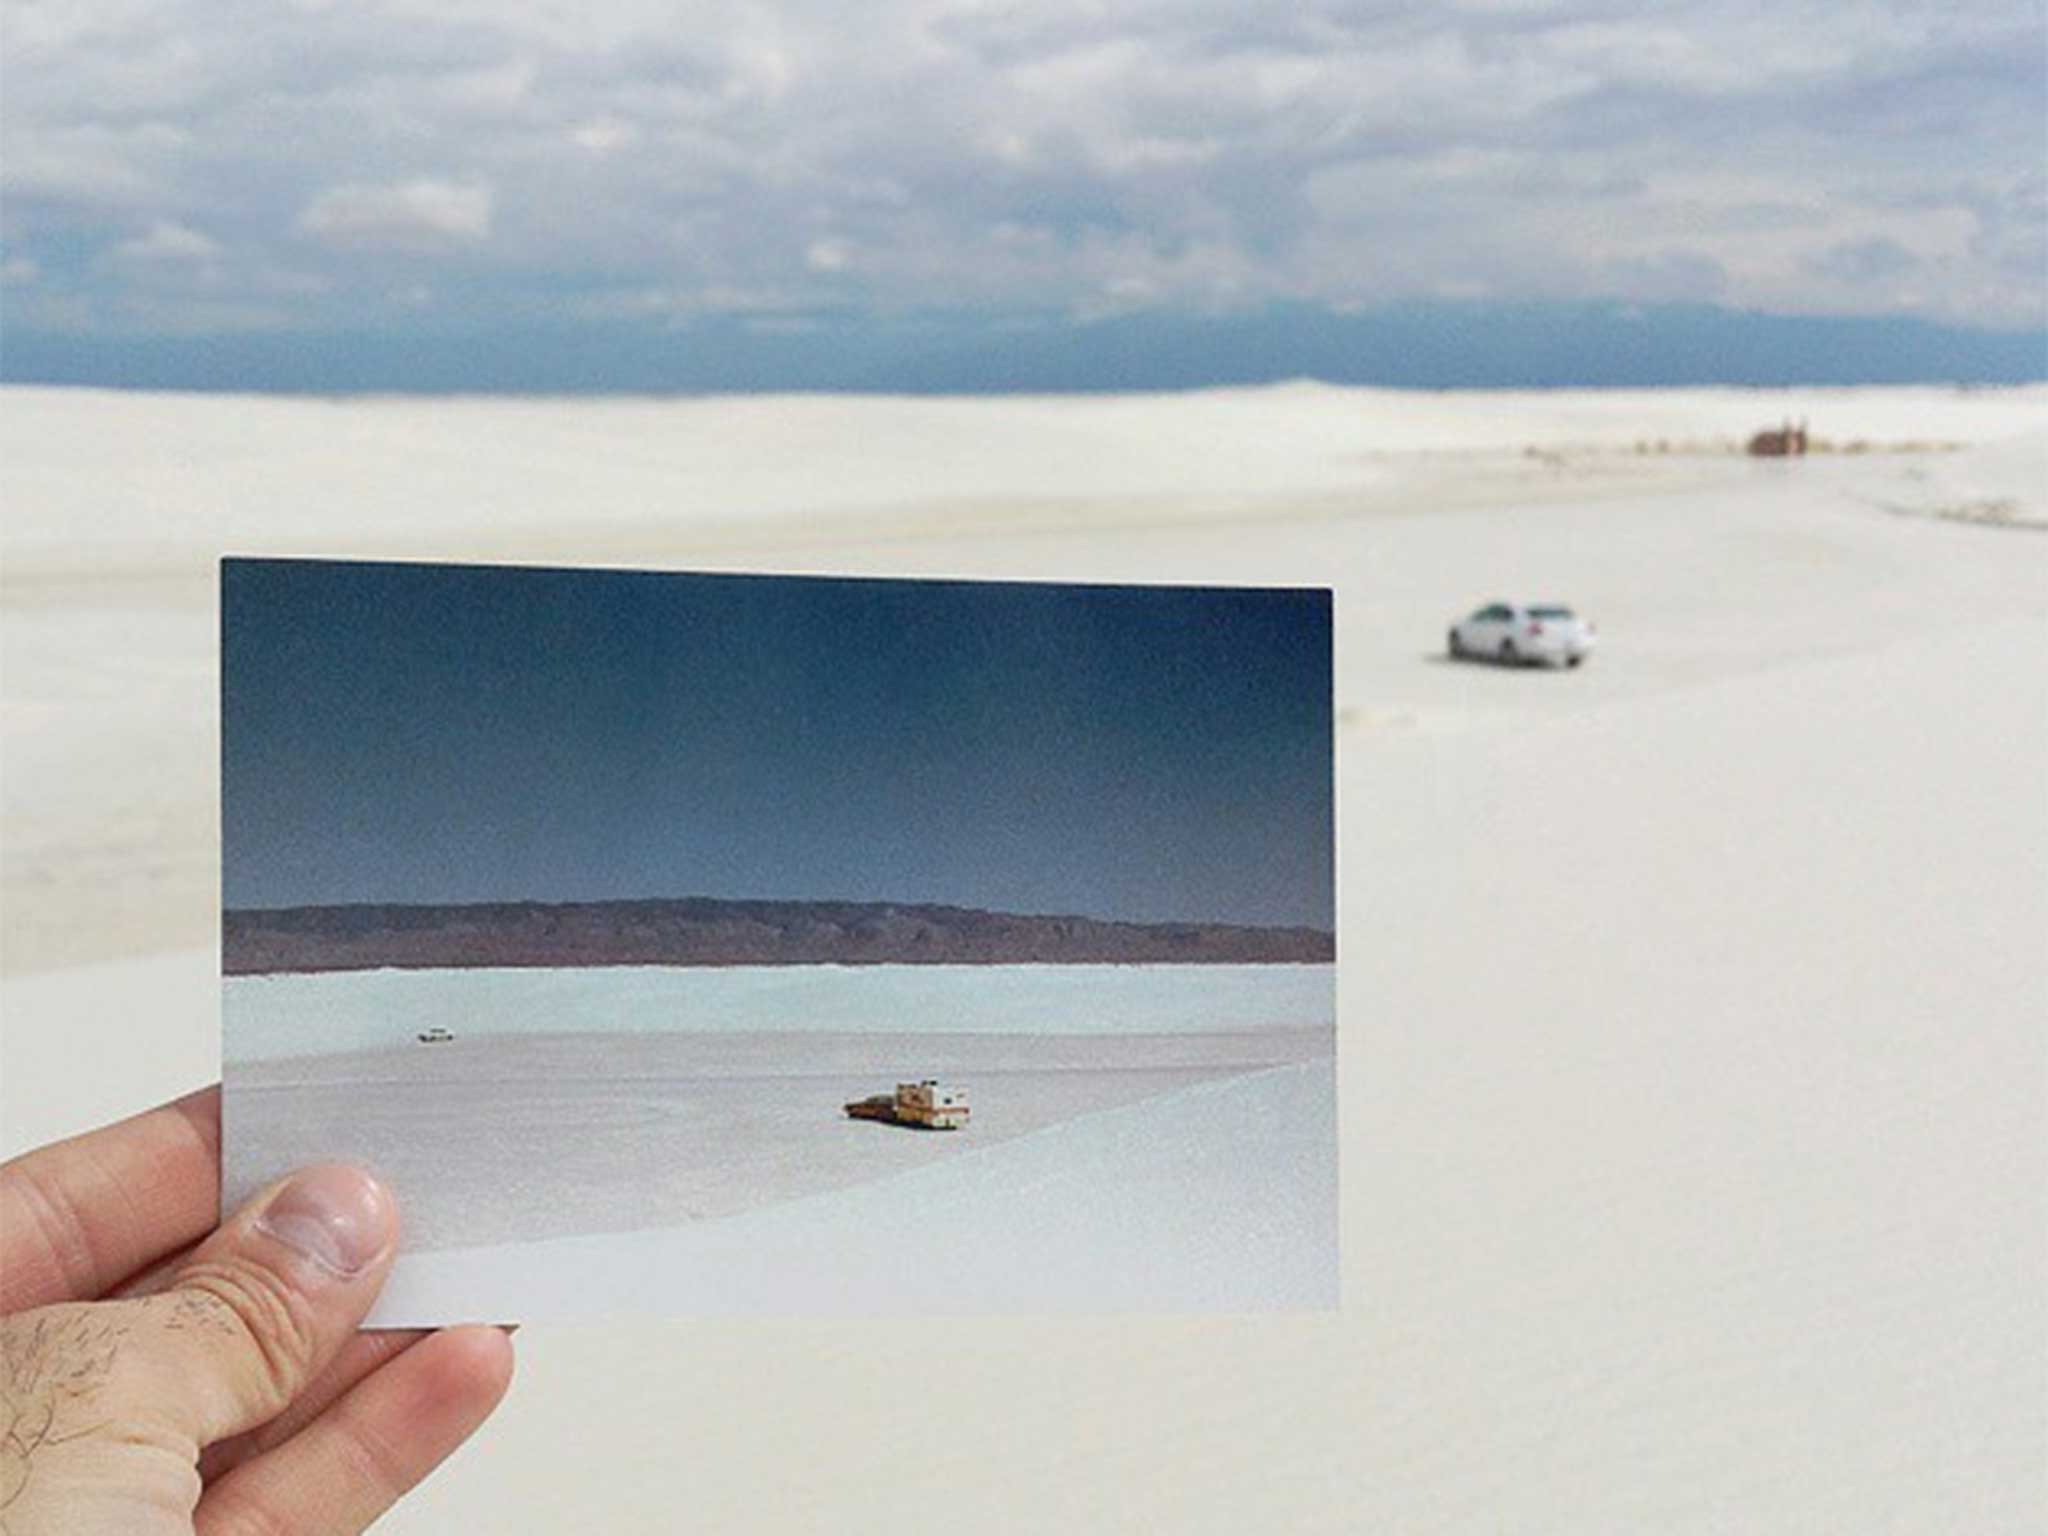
209,167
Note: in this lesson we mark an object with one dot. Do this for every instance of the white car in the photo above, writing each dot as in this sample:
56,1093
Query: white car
1517,633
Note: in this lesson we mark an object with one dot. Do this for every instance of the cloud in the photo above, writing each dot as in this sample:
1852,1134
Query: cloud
1667,277
828,256
406,216
166,243
1859,261
601,135
1059,156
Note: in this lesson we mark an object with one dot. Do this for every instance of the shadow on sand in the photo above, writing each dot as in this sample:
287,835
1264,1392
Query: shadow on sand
1441,658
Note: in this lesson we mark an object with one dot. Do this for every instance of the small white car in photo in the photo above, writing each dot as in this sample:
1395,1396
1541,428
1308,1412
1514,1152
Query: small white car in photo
1517,634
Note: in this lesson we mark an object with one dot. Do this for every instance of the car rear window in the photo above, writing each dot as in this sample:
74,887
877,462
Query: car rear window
1553,611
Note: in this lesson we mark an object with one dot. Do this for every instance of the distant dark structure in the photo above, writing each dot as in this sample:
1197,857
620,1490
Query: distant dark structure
702,931
1784,442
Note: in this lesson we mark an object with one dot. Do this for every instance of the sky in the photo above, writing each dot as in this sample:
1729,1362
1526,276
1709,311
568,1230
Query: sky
412,733
204,182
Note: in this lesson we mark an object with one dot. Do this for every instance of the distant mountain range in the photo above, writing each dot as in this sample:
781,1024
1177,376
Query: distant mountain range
700,931
1416,346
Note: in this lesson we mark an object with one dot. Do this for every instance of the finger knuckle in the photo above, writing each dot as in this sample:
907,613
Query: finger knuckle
269,1322
373,1459
51,1229
235,1510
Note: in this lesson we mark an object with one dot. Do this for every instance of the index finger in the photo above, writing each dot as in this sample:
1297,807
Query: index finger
79,1216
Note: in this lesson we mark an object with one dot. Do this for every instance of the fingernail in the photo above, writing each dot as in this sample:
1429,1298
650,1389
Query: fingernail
339,1218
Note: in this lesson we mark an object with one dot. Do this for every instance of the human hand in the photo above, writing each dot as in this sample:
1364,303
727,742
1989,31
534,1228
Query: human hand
221,1385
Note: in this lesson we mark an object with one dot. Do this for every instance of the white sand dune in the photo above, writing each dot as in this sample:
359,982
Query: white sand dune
1092,1215
1691,1064
645,1097
611,1132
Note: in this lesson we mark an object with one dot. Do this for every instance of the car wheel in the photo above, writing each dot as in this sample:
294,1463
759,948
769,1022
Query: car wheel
1509,656
1454,646
1573,661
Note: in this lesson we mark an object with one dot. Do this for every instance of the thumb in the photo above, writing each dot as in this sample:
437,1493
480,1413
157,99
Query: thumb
253,1314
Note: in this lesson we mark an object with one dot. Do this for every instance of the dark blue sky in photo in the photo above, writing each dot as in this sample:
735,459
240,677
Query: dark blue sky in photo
412,733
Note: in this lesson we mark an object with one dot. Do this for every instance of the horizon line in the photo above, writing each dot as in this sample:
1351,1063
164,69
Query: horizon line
1423,344
1954,383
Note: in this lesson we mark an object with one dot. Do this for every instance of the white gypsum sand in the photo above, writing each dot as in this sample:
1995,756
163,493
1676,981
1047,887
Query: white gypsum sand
644,1097
1704,1198
108,561
610,1133
1218,1197
320,1013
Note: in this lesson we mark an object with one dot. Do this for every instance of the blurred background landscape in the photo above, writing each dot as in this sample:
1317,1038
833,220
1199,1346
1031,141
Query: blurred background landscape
1689,1039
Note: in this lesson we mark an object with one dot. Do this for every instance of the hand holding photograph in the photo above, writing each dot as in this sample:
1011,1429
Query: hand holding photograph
678,943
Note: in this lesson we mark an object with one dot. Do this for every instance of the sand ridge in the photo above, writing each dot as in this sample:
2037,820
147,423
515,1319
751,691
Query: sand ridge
500,1139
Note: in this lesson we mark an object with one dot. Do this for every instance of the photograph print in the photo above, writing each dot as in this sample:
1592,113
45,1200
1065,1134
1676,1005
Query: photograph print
726,944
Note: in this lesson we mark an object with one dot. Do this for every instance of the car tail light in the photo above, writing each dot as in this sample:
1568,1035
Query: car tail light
1535,628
